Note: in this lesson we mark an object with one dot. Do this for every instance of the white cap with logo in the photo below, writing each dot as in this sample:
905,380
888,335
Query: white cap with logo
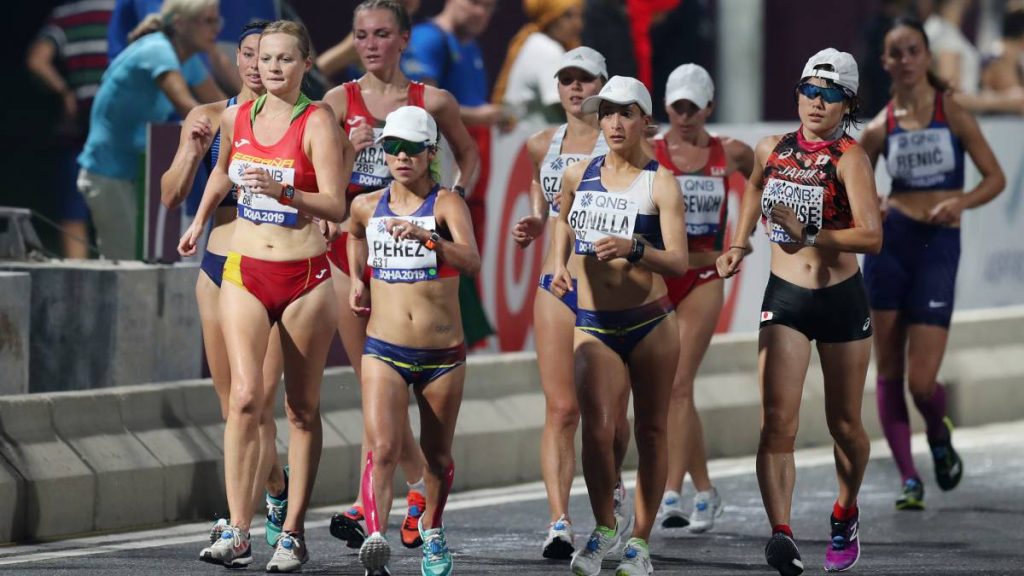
690,82
843,72
587,59
621,90
410,123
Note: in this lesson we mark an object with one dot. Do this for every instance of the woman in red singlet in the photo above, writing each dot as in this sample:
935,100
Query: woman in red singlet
702,164
288,158
816,188
381,29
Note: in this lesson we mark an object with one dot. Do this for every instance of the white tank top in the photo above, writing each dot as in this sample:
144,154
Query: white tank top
596,212
555,163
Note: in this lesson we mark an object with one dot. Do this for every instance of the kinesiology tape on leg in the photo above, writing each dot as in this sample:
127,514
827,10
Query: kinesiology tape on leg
369,498
442,498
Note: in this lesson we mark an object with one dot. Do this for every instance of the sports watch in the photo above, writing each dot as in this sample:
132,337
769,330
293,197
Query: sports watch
287,194
433,241
810,234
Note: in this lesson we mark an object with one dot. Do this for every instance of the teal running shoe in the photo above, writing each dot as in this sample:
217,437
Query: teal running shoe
437,559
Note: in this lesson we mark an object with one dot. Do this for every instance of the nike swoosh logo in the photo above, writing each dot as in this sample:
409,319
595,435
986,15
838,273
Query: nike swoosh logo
590,179
241,142
934,304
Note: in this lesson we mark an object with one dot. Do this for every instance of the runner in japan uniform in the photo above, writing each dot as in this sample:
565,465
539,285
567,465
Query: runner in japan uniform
923,134
702,164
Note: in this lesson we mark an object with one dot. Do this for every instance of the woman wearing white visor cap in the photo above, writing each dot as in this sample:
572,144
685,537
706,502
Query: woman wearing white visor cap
581,74
702,163
623,219
816,189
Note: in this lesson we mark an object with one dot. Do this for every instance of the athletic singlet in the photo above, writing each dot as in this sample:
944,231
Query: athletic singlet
921,160
285,160
214,153
596,212
555,163
704,196
803,176
406,260
370,171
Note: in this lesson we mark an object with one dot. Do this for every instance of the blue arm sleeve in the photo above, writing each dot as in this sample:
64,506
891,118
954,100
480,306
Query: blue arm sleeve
427,54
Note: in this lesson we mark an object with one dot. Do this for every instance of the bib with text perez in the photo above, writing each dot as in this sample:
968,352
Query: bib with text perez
400,260
805,201
260,208
595,215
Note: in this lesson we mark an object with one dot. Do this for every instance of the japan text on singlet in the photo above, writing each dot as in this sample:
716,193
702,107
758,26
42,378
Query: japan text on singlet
370,171
555,163
285,160
803,176
404,260
597,212
931,158
704,196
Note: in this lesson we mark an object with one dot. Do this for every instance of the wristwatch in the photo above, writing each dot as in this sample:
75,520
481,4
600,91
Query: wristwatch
433,241
460,190
810,234
287,194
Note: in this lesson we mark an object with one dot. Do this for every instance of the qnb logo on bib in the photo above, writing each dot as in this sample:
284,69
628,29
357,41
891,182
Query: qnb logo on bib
371,167
260,208
399,260
551,176
805,201
703,199
595,215
922,157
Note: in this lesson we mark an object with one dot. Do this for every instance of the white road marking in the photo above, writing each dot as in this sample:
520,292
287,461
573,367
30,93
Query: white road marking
990,436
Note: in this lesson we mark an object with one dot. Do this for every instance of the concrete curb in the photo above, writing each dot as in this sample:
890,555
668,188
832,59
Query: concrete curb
14,332
122,457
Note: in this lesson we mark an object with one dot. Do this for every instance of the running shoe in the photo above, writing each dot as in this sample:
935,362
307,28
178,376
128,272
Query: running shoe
587,560
411,525
911,495
623,519
619,497
948,466
375,553
561,542
707,506
347,526
782,554
437,559
277,511
289,554
671,511
636,559
844,549
232,549
217,528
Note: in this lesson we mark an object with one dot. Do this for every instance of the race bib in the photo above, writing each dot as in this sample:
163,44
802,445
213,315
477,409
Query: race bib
400,261
922,157
806,202
703,198
371,169
595,215
260,208
551,176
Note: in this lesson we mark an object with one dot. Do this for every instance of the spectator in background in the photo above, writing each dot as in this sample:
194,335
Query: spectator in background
342,57
526,83
956,59
684,34
69,56
143,84
443,52
603,24
1004,69
875,82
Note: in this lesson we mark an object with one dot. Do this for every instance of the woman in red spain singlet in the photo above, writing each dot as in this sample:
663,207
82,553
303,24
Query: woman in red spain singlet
923,135
816,189
381,29
702,164
287,158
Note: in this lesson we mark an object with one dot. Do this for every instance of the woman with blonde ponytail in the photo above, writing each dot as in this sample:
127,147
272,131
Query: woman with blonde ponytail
525,83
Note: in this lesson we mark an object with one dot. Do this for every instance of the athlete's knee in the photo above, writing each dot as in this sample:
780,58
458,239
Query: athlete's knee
439,462
598,432
649,433
563,414
245,400
846,429
776,437
386,452
682,393
922,386
303,416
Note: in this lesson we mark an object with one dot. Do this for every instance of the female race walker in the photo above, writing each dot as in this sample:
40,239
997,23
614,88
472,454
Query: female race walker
200,143
624,221
418,238
287,158
581,73
381,29
816,188
923,134
702,164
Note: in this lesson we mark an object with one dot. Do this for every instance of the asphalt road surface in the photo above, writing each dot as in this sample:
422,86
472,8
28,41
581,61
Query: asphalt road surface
977,529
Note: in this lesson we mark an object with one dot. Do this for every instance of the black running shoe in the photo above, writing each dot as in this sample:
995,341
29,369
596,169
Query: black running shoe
347,526
911,495
948,466
781,553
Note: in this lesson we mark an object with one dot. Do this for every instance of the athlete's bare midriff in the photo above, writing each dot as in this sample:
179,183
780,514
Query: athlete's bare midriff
278,243
416,315
811,267
918,205
616,285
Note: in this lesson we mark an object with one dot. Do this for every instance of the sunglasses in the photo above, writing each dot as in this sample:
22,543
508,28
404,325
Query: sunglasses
568,78
831,95
395,146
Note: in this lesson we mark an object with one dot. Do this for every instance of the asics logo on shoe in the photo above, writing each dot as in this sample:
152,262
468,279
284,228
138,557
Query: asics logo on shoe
867,324
241,142
593,544
934,304
630,553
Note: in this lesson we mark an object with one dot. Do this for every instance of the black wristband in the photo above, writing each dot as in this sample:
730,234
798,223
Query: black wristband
460,190
636,252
